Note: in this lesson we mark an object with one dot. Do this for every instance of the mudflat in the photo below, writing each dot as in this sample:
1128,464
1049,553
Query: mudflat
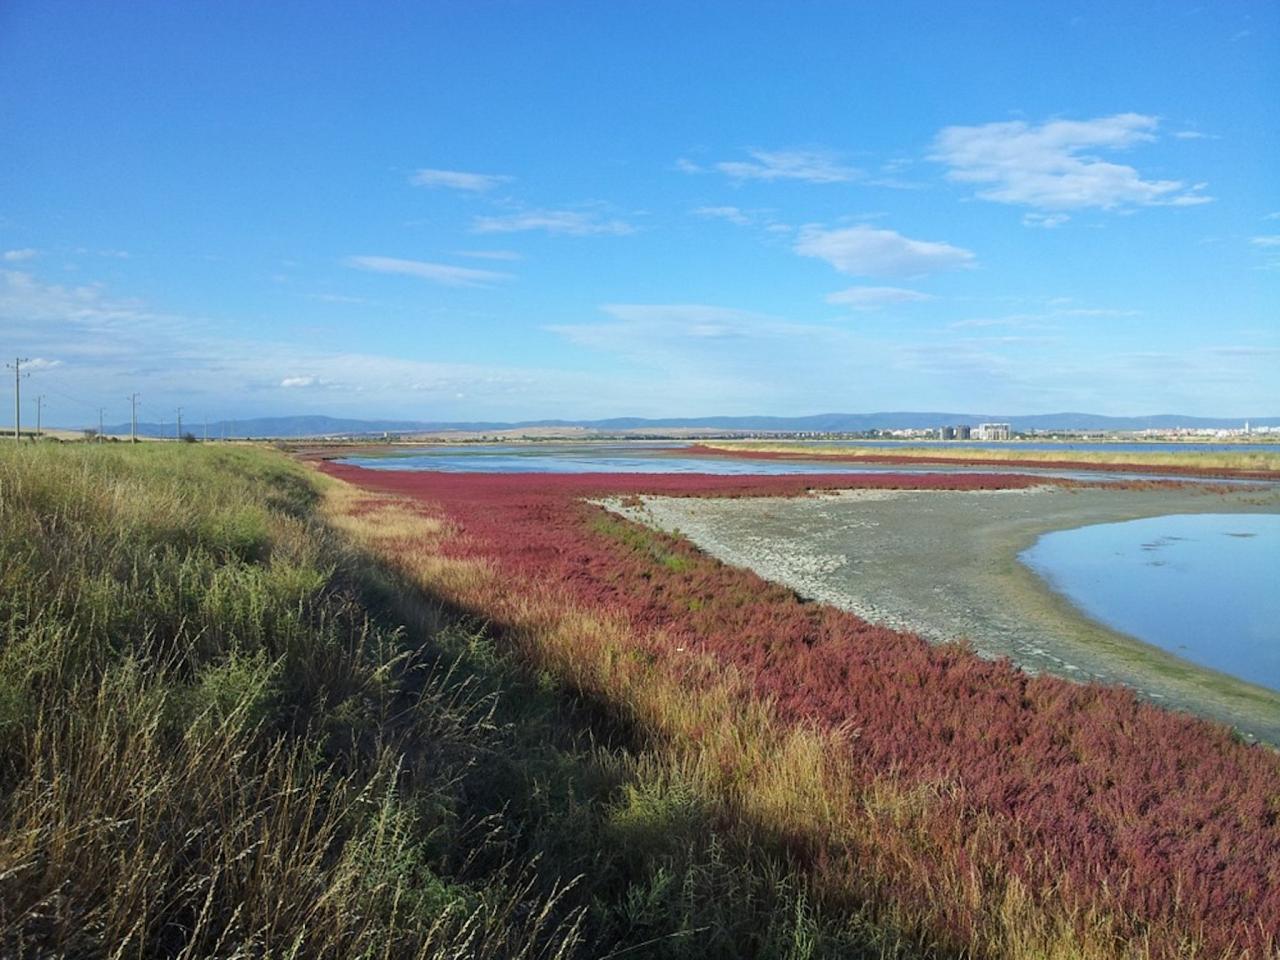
943,564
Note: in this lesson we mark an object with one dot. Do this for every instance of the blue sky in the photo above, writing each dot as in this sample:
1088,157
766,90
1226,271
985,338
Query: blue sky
476,210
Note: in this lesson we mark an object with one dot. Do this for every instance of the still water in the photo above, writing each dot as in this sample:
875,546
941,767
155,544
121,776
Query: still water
1203,586
658,457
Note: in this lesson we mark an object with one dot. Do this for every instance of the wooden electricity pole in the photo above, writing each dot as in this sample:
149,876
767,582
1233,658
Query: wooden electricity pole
16,366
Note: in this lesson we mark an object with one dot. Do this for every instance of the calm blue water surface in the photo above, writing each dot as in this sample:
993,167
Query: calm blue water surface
1204,586
593,458
658,457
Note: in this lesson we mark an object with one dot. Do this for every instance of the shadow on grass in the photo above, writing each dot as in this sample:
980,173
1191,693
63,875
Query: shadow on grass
569,783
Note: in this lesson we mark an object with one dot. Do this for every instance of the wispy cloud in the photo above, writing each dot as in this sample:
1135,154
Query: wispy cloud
41,363
458,180
702,354
636,324
871,252
1267,240
442,273
810,166
1046,221
509,256
1046,166
335,298
17,256
732,214
1055,310
110,346
875,298
574,223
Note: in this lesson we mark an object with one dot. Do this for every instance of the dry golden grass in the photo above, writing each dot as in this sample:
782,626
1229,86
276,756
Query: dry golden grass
777,784
186,689
1243,460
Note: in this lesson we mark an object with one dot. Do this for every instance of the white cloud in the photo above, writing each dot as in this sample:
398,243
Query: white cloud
509,256
1268,240
1045,166
458,180
1048,319
701,356
874,298
441,273
573,223
637,323
871,252
1046,221
41,363
685,165
732,214
112,346
335,298
811,166
17,256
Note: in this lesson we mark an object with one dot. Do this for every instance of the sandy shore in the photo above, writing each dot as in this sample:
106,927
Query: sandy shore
944,565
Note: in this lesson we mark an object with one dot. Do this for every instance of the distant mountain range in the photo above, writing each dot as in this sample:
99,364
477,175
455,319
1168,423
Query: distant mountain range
321,426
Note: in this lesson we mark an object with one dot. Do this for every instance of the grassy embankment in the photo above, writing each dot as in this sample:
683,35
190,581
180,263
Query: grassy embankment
1243,461
225,731
977,811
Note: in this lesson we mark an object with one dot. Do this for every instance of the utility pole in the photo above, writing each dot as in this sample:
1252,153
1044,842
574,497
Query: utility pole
16,366
178,432
39,411
100,411
206,429
133,418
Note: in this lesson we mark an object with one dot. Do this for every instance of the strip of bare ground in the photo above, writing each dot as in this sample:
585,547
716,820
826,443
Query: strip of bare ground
1012,463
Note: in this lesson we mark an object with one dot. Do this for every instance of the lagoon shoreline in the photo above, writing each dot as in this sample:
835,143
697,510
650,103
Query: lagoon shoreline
944,565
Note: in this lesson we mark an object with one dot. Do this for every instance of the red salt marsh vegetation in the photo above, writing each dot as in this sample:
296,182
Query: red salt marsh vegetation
978,810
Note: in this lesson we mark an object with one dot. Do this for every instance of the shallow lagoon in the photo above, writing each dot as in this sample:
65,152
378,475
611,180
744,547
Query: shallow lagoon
1202,586
667,457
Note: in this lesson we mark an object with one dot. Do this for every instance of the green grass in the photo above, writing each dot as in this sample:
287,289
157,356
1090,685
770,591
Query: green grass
225,732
